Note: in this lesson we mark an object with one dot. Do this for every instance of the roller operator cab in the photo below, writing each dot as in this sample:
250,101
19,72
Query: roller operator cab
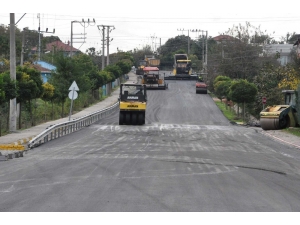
133,102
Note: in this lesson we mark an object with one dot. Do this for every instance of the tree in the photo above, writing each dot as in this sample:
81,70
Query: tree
218,79
47,96
4,65
240,55
242,91
2,92
139,54
172,45
222,89
124,65
267,85
29,83
115,70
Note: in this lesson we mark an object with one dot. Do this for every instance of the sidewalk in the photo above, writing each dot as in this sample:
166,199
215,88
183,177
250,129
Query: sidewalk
18,140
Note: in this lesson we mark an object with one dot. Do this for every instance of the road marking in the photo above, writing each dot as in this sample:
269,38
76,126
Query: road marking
8,190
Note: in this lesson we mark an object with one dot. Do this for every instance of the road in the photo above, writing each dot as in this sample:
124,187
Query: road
187,157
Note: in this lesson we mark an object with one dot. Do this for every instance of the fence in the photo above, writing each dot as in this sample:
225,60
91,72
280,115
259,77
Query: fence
65,128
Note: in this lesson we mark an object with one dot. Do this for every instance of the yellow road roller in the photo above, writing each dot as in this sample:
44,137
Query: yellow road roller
280,116
133,102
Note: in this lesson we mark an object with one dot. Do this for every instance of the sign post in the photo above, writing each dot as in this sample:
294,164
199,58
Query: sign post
73,95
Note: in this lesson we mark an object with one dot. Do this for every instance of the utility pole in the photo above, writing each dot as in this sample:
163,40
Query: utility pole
188,38
107,41
13,102
103,46
23,46
204,50
153,43
40,31
80,22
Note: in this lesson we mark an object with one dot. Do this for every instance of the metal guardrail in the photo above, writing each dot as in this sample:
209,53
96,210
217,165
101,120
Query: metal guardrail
62,129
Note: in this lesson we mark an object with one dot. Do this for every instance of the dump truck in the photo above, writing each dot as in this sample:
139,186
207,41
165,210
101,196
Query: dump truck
280,116
148,61
201,86
152,61
182,68
132,103
153,80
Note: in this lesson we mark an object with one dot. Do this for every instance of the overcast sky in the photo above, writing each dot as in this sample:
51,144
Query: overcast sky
140,23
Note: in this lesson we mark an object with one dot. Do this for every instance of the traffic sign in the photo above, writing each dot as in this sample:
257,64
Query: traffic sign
74,86
73,95
264,100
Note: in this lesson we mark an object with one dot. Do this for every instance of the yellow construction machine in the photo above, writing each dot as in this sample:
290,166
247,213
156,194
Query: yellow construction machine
133,102
280,116
182,69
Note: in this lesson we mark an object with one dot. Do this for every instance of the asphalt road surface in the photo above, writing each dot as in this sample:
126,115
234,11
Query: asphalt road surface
187,157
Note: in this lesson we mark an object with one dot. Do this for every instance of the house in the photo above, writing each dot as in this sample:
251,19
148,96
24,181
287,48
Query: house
45,69
282,51
222,38
58,46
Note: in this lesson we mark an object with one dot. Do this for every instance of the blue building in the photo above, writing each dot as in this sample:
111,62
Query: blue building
45,69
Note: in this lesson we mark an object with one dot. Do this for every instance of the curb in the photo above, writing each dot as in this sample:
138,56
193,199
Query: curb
16,149
279,139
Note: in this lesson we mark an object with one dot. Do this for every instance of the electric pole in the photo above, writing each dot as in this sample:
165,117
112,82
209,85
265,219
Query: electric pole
40,31
103,46
80,22
107,41
23,46
107,27
153,43
13,102
204,49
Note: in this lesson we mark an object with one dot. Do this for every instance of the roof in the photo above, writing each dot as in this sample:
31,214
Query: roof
60,46
45,65
41,69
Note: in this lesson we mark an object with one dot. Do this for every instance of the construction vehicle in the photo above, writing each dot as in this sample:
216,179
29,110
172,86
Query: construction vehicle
280,116
201,86
140,69
132,102
182,69
152,79
148,61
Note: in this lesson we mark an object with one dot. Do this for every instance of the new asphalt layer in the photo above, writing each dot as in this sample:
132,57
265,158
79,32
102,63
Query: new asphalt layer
16,142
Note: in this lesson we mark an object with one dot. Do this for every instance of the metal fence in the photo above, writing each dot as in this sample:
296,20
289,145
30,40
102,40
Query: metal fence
62,129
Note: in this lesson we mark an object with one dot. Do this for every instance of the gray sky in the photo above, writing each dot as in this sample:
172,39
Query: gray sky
140,23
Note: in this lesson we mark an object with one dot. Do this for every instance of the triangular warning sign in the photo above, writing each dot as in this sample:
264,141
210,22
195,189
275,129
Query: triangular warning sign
74,86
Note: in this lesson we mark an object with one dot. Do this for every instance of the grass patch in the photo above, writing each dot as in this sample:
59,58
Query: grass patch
229,114
293,130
